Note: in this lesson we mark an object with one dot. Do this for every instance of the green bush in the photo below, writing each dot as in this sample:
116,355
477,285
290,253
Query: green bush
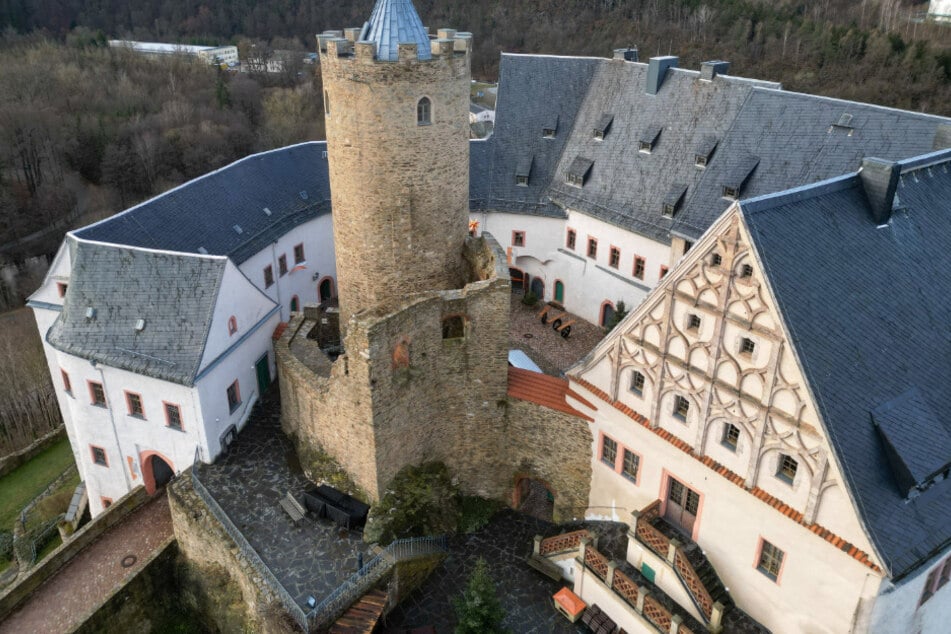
476,512
529,298
6,544
420,500
478,610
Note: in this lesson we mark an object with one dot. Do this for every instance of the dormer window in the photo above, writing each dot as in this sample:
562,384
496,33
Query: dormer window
648,138
521,181
700,161
424,109
577,173
731,192
673,199
603,126
550,128
548,133
523,170
704,150
738,175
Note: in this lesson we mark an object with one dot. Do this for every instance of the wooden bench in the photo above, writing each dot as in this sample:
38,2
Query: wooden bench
293,508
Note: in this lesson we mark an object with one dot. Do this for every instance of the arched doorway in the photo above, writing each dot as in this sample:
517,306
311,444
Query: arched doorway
607,314
325,290
538,287
295,304
559,291
157,471
534,497
518,279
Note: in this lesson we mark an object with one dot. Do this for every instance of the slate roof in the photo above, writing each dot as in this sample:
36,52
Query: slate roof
866,309
291,183
174,293
395,22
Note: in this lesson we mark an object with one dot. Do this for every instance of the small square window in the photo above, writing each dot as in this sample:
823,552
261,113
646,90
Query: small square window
681,407
67,384
268,276
770,560
693,322
106,502
298,254
614,261
687,246
646,147
700,160
668,210
570,240
716,259
731,192
173,416
518,238
747,346
97,394
731,436
521,180
787,468
637,382
663,271
282,265
746,271
61,288
134,401
592,248
608,451
548,133
234,397
640,265
629,465
99,456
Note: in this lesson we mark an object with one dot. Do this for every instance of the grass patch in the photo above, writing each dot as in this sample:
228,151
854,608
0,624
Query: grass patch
28,480
52,545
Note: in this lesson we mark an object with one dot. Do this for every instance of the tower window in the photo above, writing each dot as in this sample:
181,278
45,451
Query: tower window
424,111
747,346
454,327
716,259
327,103
693,322
518,238
99,455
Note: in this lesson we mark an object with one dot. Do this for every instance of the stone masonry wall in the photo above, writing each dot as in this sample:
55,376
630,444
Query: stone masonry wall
399,190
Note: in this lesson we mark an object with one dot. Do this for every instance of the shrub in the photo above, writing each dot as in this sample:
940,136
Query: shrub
6,545
478,609
420,500
530,298
476,512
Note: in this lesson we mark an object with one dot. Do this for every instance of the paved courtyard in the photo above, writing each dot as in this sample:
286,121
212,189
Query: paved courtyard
553,353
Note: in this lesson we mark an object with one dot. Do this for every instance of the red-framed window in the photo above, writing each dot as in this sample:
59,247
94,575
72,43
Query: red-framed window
98,455
770,560
570,239
106,502
61,288
67,384
663,271
614,260
936,579
234,396
134,406
173,416
620,459
640,265
97,394
518,238
298,253
268,276
592,247
232,325
282,265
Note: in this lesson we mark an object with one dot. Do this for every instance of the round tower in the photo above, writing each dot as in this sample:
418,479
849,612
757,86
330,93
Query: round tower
397,118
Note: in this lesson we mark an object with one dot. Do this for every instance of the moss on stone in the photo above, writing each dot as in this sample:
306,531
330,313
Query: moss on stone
320,467
421,500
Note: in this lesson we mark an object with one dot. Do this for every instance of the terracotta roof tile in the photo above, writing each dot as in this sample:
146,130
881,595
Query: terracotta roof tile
544,390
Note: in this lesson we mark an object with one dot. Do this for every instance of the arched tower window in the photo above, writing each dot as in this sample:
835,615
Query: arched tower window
424,111
232,326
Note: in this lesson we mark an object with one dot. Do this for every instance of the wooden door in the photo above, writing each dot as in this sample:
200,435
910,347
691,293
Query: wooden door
682,506
263,374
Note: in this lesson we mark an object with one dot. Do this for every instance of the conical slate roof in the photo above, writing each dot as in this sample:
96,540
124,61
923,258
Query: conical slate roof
395,22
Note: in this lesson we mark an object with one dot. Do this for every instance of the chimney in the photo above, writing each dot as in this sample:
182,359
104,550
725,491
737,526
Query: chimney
657,70
942,137
880,182
709,70
628,54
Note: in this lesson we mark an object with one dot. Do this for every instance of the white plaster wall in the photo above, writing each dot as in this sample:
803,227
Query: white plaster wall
940,9
593,591
59,271
317,238
44,320
897,608
543,236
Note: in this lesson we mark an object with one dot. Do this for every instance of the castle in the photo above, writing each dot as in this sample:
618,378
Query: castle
711,406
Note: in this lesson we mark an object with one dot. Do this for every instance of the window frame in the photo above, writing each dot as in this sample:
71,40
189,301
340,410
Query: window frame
94,457
571,239
518,238
92,394
299,256
601,452
233,407
614,257
268,276
282,265
67,383
640,267
232,325
681,403
727,440
424,111
625,451
765,557
747,347
592,242
637,377
782,468
128,403
166,409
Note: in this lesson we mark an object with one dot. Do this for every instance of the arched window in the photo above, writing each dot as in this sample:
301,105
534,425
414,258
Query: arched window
607,313
232,325
424,111
295,304
560,291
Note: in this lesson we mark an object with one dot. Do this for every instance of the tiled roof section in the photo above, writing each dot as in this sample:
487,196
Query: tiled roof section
111,288
536,93
265,195
395,22
846,547
797,142
866,311
740,171
917,446
627,187
544,390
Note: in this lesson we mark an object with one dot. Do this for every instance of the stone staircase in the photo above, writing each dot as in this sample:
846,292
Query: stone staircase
708,576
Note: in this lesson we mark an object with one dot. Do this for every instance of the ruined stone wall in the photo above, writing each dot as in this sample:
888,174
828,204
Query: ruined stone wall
399,190
551,446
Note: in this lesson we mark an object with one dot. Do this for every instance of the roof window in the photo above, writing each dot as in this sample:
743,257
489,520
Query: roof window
704,150
523,170
550,128
738,175
578,171
673,199
648,138
603,126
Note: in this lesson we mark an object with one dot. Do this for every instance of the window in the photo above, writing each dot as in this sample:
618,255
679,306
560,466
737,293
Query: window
746,271
668,210
548,133
234,397
97,394
518,238
298,254
570,240
629,465
327,103
716,259
637,382
687,246
646,146
61,288
640,264
731,436
173,416
453,327
731,192
232,325
67,384
424,111
608,451
930,585
681,407
106,502
663,271
693,322
134,403
700,160
574,179
787,468
268,276
592,248
614,260
747,346
99,455
770,560
521,180
282,265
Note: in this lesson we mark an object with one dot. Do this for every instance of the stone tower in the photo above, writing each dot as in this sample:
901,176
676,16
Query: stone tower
397,114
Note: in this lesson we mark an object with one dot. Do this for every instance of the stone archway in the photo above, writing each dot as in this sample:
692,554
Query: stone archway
534,497
157,470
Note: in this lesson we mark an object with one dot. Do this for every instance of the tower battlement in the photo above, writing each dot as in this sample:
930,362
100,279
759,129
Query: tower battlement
344,47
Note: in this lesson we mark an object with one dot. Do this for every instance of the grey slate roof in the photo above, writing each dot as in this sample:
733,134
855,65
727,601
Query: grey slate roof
291,183
867,310
395,22
174,293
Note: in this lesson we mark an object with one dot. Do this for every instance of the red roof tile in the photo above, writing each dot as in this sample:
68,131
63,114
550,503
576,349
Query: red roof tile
544,390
